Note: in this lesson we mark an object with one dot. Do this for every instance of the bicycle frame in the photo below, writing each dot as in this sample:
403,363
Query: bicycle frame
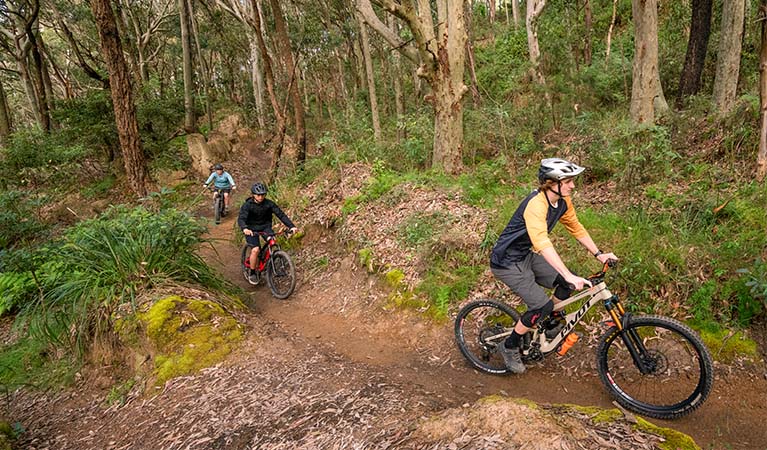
265,252
596,293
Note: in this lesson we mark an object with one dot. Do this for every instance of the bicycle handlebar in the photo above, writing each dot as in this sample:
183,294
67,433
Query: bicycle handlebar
599,276
286,232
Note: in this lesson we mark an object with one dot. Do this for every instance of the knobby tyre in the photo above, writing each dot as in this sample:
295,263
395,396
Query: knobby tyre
245,253
681,372
480,329
217,208
281,275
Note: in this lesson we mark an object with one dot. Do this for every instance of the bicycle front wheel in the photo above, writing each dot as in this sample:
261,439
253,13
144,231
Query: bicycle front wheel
281,275
245,254
678,370
217,208
480,329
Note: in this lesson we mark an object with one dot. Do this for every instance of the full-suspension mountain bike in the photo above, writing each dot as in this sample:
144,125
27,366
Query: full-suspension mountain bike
274,262
653,365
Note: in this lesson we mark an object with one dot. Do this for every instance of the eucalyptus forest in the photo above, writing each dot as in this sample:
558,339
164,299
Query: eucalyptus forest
399,137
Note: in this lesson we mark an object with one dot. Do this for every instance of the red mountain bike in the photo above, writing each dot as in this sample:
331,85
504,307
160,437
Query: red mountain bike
272,260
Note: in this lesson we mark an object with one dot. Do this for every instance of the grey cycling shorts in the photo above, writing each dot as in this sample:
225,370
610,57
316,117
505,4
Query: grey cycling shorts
526,277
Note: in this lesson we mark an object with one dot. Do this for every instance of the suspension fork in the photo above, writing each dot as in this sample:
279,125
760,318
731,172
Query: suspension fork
629,336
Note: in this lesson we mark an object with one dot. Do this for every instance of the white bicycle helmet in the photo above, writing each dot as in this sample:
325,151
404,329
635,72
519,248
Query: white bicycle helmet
558,169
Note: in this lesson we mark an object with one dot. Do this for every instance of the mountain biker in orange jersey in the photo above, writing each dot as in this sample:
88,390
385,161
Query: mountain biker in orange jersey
222,181
525,259
256,216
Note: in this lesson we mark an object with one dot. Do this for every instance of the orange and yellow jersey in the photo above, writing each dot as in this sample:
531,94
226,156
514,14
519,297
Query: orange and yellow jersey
529,228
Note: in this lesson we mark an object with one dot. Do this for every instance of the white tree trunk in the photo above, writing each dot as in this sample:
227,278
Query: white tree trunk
534,10
728,61
761,156
257,79
399,104
515,12
370,76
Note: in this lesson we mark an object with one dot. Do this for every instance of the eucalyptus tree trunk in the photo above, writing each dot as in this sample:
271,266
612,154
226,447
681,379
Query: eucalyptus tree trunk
534,10
122,97
441,53
370,76
6,124
281,31
646,93
41,83
204,66
341,75
257,80
697,45
728,57
29,60
399,104
476,100
190,116
761,157
269,75
587,25
610,33
515,12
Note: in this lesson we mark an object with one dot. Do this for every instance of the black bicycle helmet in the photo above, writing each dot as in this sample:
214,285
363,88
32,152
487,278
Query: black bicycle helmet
218,166
258,189
558,169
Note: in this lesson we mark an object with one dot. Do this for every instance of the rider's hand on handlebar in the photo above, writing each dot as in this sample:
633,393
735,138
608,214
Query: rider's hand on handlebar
604,257
247,232
577,282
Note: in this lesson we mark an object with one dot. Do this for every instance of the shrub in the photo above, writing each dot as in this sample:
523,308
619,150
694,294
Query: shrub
18,219
103,263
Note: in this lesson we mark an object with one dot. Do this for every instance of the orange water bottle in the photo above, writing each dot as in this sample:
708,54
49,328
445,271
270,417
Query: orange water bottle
571,339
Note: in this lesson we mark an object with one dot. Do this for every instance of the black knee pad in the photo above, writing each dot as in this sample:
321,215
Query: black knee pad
562,289
531,317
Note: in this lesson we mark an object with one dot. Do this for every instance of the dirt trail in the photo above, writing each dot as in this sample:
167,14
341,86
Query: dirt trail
338,310
331,368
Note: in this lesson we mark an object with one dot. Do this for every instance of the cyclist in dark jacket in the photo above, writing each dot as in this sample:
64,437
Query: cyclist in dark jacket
256,217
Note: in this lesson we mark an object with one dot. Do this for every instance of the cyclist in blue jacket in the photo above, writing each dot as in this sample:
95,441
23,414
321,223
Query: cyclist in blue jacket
222,181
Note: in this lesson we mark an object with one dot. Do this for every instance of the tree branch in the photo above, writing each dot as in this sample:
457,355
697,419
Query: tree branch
370,17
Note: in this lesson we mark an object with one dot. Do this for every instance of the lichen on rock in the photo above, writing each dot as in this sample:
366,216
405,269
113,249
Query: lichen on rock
188,335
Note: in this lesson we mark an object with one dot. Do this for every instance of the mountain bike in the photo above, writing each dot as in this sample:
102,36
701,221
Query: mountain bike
219,205
653,365
272,260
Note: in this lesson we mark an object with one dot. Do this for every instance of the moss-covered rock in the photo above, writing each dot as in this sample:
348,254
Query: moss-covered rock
526,424
7,436
188,335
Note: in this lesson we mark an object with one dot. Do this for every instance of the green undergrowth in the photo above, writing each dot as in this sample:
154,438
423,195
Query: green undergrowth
686,220
66,294
32,363
188,335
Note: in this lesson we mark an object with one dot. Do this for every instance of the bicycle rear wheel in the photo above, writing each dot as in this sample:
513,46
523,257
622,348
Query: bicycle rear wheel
217,208
281,275
679,369
480,328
